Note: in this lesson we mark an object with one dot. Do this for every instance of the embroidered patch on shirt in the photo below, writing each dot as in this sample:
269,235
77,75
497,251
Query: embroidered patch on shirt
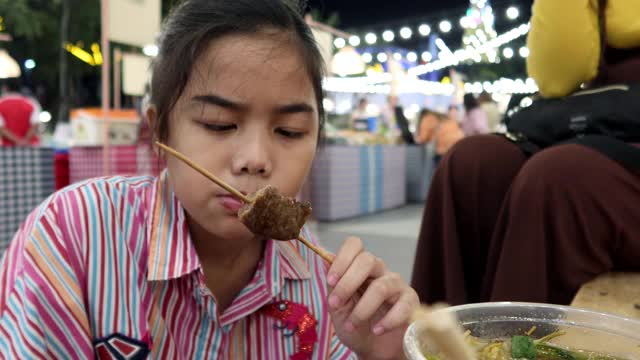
120,347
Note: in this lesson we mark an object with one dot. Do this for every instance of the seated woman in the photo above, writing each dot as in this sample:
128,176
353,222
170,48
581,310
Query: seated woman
499,226
475,118
427,125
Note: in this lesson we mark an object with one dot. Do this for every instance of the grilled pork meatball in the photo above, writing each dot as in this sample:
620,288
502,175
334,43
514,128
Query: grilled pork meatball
274,215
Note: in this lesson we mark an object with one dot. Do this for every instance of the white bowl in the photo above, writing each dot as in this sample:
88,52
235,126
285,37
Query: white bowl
586,329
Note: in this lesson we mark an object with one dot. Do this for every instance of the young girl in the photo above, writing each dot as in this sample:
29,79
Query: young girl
134,268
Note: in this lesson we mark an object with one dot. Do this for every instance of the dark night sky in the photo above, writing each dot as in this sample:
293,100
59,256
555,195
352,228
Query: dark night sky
364,13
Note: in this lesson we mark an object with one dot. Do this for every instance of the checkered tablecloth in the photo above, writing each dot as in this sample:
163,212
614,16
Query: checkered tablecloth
128,160
26,179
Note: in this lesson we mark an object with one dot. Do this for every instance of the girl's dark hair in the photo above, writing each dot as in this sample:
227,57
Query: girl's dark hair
470,102
190,28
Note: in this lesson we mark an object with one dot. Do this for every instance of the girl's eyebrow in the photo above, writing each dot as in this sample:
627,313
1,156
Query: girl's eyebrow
212,99
217,100
295,108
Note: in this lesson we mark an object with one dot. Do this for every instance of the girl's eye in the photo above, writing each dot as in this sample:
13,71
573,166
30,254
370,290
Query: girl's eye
219,127
290,133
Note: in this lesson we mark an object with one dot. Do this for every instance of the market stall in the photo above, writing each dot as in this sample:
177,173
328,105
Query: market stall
350,181
125,155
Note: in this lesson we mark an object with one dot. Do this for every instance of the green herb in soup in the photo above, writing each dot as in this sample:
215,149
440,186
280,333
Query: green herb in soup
525,348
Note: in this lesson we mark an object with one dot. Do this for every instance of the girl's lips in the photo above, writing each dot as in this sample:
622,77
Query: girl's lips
230,203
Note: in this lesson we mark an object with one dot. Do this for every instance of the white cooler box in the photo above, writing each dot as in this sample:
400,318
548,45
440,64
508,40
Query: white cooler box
88,126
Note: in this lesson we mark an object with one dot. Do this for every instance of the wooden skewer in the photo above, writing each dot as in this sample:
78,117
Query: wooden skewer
316,249
240,196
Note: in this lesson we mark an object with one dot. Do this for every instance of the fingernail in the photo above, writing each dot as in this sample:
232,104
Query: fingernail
378,330
332,279
334,301
349,326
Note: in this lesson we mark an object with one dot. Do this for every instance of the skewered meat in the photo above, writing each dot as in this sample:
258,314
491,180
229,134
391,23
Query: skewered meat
274,215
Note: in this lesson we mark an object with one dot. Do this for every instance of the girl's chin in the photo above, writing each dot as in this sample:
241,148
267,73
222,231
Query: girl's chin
231,229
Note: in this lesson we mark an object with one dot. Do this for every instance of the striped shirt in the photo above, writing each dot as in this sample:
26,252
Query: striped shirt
107,267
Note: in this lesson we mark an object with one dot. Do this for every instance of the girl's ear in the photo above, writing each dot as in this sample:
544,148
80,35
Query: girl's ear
152,116
152,121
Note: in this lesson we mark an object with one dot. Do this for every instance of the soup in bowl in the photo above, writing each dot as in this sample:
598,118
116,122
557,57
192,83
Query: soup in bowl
505,331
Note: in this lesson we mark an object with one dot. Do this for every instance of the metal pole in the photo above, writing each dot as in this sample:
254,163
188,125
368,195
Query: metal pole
63,82
117,63
106,60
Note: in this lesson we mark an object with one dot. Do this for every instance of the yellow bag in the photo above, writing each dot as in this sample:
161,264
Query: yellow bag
565,40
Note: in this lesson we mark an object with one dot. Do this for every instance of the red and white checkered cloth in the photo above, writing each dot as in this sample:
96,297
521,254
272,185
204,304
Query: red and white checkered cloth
127,160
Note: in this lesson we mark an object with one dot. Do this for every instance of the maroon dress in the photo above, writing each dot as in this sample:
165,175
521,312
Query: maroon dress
500,227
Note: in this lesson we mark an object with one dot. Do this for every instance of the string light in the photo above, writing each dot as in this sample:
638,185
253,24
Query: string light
388,36
30,64
507,52
426,56
371,38
513,13
406,33
412,56
379,84
424,30
354,40
397,56
365,86
524,52
442,45
339,43
466,22
445,26
503,86
382,57
472,53
367,57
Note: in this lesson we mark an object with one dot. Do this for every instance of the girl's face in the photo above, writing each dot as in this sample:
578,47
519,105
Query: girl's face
249,116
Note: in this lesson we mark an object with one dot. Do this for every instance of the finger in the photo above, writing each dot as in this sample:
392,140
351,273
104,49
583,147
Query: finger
400,313
385,289
351,247
363,267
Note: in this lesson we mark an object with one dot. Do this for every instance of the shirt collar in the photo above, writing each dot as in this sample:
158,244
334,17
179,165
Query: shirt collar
172,254
291,262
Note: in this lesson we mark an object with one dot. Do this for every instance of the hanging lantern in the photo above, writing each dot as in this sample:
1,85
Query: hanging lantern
347,62
9,68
